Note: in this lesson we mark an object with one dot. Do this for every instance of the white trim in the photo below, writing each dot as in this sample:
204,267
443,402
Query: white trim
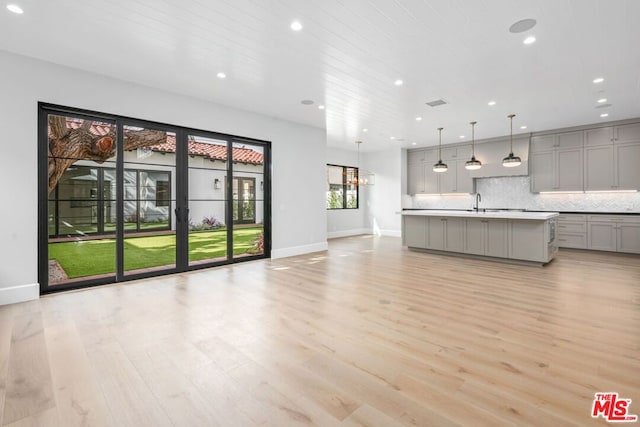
20,293
299,250
391,233
347,233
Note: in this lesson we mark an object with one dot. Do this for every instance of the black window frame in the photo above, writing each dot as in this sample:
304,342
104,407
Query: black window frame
345,187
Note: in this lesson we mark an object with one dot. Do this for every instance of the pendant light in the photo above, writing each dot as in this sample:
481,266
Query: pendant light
473,164
440,167
511,160
364,177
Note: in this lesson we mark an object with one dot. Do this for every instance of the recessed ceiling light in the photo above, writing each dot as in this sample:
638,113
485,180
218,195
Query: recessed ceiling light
414,143
604,115
523,127
221,75
307,102
418,119
321,107
529,40
15,9
398,82
598,80
296,26
602,100
393,137
365,130
522,25
461,136
491,103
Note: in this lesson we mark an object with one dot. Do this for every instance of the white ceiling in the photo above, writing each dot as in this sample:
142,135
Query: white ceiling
349,54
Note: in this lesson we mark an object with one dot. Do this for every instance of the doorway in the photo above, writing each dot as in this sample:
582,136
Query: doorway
122,198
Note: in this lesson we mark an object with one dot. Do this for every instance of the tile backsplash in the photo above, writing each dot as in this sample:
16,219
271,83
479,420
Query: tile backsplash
514,193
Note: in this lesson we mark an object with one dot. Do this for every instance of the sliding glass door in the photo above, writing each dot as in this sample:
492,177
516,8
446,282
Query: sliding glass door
149,159
248,198
80,188
207,207
122,198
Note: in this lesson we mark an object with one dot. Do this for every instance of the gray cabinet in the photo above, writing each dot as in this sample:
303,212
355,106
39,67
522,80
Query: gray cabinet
415,178
628,238
602,236
414,231
436,230
543,175
619,233
598,163
627,172
497,238
528,240
454,234
486,237
421,179
610,157
572,231
475,236
556,162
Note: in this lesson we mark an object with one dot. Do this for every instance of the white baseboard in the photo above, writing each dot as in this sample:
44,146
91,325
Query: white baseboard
347,233
391,233
20,293
299,250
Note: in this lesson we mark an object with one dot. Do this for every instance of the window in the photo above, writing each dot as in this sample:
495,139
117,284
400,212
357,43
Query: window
342,188
163,193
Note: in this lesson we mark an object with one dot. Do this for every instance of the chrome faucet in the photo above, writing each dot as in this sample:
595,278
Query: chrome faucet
477,202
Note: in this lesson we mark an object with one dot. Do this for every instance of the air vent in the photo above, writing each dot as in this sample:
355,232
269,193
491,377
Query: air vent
436,103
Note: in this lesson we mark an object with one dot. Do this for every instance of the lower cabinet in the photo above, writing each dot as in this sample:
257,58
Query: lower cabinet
487,237
454,234
414,233
527,240
436,227
572,231
628,238
602,236
614,233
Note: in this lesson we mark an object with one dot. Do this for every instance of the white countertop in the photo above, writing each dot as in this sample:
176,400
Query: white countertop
541,216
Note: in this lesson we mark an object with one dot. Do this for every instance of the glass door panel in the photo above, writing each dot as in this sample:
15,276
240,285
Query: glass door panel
248,199
149,200
207,205
80,246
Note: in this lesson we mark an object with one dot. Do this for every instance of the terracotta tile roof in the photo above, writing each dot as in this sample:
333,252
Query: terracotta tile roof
196,148
212,151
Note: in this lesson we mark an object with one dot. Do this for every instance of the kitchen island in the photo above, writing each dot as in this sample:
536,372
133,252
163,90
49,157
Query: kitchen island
503,235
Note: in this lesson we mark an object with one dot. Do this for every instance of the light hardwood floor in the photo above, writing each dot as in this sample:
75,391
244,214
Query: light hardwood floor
367,334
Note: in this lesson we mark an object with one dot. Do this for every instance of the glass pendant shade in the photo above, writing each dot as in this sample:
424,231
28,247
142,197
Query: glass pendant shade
511,161
440,167
473,164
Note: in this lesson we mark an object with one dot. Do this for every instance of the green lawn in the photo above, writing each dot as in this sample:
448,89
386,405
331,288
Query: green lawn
92,257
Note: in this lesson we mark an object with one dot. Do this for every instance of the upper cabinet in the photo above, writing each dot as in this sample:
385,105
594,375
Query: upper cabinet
610,157
556,162
423,180
596,159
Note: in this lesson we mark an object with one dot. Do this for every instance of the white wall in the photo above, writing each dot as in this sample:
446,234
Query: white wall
385,196
346,222
298,210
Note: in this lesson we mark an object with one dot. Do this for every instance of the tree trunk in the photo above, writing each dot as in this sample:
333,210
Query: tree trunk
67,146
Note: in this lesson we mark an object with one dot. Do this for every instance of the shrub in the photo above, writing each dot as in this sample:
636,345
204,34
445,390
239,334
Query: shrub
258,244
